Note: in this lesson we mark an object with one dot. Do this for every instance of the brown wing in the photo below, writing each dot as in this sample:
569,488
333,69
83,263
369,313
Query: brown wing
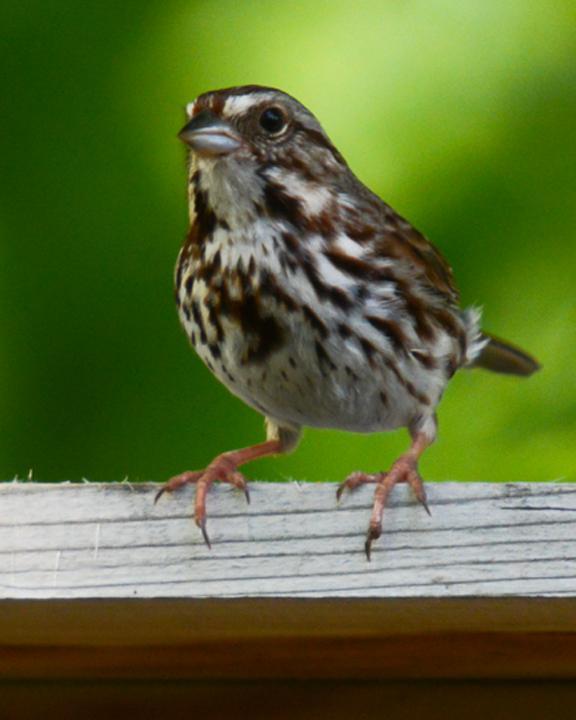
375,222
404,241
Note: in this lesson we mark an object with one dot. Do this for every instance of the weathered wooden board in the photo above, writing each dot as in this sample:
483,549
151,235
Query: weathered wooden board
110,541
98,583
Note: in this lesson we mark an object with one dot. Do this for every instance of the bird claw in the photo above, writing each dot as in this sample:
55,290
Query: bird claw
374,532
354,480
220,470
403,470
177,482
202,525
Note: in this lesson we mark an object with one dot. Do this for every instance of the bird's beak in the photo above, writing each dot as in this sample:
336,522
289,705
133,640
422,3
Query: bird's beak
209,135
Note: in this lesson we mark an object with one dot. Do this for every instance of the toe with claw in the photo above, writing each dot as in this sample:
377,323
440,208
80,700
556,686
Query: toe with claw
222,469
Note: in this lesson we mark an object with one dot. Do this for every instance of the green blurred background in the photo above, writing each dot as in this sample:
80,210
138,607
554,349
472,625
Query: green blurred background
462,115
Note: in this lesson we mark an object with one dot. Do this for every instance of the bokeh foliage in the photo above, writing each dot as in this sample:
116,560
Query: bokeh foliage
462,115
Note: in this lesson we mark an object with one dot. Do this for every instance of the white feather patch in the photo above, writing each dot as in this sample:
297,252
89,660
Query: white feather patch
239,104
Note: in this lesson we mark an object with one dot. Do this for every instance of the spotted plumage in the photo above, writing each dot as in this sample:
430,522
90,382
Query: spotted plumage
309,297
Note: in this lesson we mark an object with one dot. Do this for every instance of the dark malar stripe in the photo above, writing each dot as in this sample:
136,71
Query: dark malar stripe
282,206
205,217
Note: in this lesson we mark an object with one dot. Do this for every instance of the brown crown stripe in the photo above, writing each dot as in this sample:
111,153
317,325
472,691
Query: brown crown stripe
390,330
218,101
233,91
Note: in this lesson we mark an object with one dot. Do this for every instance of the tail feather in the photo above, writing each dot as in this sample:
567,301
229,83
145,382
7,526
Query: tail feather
502,357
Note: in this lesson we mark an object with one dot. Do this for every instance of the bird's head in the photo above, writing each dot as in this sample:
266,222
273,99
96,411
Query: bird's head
253,123
247,141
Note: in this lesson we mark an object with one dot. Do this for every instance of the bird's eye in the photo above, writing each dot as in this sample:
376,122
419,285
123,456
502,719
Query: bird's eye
273,120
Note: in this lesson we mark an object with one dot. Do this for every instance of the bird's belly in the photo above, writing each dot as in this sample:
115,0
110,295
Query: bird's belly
298,379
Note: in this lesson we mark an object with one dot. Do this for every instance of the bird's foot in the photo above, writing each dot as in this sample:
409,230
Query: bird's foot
221,469
405,469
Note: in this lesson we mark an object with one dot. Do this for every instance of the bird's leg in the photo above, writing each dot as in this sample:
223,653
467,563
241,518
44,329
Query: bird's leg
405,469
224,468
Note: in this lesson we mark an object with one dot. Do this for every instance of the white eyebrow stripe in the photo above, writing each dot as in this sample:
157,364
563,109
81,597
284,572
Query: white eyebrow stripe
238,104
190,108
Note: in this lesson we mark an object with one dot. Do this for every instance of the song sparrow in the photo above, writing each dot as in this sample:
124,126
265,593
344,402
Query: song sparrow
309,297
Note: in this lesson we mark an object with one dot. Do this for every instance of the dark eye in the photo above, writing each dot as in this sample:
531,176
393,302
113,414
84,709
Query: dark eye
272,120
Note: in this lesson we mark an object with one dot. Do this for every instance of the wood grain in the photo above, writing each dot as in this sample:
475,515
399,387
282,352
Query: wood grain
109,540
98,583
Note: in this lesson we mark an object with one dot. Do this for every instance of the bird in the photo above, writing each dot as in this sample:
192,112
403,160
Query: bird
310,298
